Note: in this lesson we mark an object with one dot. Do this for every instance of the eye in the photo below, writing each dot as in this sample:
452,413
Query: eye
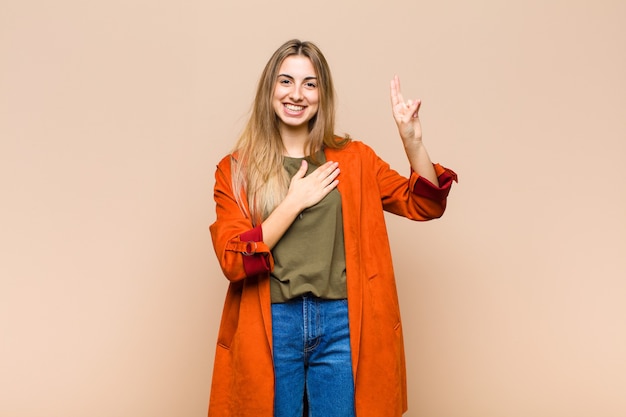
310,84
284,81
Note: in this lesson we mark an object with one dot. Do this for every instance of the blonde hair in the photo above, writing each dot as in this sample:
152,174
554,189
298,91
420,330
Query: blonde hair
258,157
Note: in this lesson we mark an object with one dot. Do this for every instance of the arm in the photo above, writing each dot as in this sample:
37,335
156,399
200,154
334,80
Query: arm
238,244
415,197
243,249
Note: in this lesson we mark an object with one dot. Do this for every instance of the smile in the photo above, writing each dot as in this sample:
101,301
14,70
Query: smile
293,107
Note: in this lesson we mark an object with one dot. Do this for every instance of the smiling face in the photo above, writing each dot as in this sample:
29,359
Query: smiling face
296,94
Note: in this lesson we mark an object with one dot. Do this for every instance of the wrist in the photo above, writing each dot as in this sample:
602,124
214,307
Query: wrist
291,206
411,144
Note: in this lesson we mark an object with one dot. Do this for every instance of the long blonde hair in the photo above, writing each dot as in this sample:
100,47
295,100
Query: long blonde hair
258,157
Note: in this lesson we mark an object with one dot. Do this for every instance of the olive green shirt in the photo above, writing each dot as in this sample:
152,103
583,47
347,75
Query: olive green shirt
310,257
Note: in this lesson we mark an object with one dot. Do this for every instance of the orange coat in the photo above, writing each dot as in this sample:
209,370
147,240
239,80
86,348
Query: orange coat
243,378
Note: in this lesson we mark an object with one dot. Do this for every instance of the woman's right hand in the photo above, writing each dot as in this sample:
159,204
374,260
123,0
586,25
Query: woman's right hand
304,191
308,190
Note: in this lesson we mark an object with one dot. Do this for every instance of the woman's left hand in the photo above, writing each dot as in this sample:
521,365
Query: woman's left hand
407,118
406,115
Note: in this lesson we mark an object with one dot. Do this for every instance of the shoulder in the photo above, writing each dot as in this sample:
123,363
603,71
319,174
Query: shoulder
226,162
352,146
224,168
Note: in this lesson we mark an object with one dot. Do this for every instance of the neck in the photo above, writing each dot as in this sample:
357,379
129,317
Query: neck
294,140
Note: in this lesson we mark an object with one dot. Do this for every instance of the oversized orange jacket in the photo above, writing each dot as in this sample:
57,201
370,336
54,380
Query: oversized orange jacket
243,378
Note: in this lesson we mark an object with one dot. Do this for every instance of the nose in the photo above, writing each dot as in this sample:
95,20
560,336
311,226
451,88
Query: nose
296,93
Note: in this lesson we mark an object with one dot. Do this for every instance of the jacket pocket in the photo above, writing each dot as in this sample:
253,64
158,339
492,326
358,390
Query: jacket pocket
384,299
230,315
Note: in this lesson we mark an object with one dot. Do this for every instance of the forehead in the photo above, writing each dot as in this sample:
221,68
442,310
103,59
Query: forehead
297,66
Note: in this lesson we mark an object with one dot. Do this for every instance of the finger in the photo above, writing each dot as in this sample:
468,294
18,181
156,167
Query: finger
398,90
331,186
400,99
324,170
416,108
331,176
394,92
302,170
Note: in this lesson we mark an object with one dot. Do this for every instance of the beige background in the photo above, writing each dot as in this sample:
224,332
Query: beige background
114,113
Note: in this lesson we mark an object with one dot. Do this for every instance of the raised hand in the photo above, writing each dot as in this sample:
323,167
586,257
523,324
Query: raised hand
406,114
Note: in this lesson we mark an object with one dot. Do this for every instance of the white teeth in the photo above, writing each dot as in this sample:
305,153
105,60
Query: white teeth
294,107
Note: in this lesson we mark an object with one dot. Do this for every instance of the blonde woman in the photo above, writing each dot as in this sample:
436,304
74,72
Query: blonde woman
311,323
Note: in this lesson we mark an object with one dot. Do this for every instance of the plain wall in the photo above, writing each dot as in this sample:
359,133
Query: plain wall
113,115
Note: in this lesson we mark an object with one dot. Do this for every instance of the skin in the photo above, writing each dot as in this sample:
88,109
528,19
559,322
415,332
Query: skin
406,115
295,101
297,86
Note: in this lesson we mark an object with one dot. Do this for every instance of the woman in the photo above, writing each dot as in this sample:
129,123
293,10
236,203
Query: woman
311,323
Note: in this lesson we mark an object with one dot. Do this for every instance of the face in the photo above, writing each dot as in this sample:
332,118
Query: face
296,94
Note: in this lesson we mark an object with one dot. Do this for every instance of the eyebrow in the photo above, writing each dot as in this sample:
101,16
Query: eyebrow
310,77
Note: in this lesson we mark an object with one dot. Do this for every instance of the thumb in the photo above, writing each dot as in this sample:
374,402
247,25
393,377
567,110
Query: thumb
302,171
414,106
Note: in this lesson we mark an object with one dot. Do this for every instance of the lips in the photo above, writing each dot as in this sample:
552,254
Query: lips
293,107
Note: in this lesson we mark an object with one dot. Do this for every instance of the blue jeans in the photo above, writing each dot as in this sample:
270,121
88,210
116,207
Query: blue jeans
312,361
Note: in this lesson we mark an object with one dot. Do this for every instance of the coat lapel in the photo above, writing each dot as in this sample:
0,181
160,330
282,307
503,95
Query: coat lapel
350,190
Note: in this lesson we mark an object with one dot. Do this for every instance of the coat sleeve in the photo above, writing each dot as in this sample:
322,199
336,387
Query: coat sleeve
414,197
238,244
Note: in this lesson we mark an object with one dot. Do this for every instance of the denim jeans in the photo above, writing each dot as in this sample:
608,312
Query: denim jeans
312,362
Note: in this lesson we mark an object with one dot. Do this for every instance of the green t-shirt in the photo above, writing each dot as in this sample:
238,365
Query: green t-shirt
310,257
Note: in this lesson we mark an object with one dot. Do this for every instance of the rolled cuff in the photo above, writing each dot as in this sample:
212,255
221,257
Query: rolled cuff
424,188
255,253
